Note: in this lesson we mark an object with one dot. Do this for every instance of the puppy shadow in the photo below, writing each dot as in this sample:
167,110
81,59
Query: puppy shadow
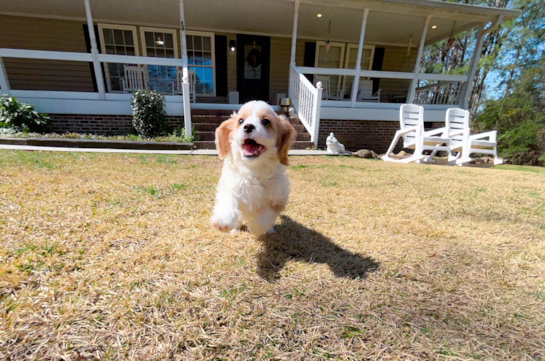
293,241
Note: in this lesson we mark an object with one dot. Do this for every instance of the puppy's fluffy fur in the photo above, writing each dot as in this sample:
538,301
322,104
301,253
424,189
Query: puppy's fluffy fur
253,188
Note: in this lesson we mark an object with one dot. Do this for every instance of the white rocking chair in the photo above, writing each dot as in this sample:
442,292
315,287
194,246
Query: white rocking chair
457,125
328,93
365,91
411,118
177,88
135,79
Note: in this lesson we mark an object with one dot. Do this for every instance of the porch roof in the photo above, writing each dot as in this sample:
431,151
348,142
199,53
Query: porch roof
390,22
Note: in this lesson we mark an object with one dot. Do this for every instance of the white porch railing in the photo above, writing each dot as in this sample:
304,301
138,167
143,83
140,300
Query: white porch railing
87,57
439,93
307,100
443,79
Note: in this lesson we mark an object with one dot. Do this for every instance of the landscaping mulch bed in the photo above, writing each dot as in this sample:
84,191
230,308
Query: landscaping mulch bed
90,143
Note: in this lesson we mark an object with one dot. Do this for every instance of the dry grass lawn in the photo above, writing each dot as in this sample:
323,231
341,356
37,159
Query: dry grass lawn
111,257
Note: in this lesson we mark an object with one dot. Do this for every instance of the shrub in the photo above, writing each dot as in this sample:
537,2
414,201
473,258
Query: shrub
21,117
149,116
179,132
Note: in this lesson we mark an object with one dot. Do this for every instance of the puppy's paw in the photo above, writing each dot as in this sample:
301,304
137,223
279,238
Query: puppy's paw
222,225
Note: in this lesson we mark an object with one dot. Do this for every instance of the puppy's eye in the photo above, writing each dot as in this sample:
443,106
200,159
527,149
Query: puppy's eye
240,121
266,122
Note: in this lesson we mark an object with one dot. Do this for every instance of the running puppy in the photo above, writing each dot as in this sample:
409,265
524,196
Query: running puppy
253,188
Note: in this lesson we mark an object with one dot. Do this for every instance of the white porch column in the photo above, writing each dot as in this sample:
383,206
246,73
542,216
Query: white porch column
94,51
185,73
294,38
414,82
468,86
4,83
356,82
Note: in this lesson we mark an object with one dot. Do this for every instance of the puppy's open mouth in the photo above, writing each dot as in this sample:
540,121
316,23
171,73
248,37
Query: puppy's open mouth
252,149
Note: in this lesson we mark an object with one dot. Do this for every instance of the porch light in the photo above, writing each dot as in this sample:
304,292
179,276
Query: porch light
434,26
159,41
318,15
232,46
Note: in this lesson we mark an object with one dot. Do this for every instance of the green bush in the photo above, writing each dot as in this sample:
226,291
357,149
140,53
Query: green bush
179,132
149,116
20,117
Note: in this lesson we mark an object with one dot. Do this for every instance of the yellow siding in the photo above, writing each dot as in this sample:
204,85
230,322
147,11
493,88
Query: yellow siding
231,64
45,34
280,65
395,59
61,35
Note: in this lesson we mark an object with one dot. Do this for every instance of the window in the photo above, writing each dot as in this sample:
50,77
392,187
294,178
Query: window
332,59
160,43
367,55
201,57
117,40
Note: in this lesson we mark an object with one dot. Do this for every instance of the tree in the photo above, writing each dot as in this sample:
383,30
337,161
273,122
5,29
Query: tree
512,47
519,118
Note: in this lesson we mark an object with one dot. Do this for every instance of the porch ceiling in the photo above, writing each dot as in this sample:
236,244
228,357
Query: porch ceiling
389,22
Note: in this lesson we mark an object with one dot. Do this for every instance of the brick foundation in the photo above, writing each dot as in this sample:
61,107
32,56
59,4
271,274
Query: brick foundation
354,134
100,124
362,134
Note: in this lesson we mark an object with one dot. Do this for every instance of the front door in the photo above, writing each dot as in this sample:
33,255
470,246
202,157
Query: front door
253,60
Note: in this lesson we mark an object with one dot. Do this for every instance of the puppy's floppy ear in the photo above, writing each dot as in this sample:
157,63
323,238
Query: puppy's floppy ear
223,139
286,135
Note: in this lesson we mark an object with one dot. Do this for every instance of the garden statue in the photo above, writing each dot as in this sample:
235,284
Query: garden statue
333,145
292,112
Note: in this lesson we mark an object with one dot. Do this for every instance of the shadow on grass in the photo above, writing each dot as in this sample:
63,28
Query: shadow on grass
293,241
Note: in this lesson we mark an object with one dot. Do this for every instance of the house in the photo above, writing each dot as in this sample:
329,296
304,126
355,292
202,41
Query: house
72,59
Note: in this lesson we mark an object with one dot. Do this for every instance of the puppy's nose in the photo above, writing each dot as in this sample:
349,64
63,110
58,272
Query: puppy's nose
248,128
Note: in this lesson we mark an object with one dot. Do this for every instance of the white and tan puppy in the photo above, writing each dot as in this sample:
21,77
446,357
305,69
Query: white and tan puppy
253,188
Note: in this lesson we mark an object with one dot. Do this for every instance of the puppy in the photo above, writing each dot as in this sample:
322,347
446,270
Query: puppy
253,188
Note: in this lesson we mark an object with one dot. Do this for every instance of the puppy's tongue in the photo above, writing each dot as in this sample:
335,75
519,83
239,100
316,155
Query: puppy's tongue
251,149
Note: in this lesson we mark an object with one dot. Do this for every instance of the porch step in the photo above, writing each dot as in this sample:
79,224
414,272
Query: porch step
206,121
206,127
218,119
210,136
211,127
211,145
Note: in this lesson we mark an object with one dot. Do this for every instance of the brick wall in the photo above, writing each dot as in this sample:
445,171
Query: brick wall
361,134
100,124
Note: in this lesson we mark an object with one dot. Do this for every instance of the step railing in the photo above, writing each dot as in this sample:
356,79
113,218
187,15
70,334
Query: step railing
307,101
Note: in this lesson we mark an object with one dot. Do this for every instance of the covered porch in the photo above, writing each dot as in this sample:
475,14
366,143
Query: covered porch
355,60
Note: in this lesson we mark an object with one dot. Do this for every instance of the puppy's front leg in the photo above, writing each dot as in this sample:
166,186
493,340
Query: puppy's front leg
263,222
226,215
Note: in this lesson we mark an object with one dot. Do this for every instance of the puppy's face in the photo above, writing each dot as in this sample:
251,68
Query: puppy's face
255,132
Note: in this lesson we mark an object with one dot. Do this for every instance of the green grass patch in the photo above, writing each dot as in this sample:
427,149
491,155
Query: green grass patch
349,332
166,159
178,186
148,190
299,167
328,183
